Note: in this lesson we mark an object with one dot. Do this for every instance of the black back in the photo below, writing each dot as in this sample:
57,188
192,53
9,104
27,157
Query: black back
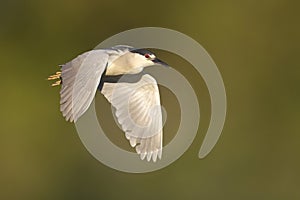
141,51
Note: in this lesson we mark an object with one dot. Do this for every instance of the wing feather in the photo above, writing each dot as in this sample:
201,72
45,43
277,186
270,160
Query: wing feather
139,114
80,79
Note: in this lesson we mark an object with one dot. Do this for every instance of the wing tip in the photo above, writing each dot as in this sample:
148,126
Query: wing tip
152,155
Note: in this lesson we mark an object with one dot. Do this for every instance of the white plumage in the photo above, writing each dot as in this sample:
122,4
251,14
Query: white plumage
139,114
136,101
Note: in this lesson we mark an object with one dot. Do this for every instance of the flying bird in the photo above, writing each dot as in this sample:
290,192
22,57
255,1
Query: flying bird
118,73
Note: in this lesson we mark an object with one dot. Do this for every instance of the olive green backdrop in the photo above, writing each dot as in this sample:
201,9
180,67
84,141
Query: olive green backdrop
256,47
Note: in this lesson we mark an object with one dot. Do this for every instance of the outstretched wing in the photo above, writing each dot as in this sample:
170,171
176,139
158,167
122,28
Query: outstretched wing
138,111
80,79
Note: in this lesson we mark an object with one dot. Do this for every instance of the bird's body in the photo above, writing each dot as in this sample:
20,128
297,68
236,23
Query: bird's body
118,73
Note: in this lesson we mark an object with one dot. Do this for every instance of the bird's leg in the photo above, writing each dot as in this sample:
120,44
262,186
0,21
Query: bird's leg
57,75
56,83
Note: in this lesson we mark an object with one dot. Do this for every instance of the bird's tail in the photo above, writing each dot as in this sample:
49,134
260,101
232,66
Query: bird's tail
55,76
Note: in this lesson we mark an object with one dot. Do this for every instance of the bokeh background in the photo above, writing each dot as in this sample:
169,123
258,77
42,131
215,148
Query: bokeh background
256,47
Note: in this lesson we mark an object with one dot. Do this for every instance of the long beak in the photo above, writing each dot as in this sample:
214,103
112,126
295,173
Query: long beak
160,62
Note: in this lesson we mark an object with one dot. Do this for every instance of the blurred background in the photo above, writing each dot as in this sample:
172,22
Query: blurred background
256,47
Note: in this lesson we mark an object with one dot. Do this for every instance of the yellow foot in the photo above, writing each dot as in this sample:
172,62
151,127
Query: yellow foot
56,83
55,76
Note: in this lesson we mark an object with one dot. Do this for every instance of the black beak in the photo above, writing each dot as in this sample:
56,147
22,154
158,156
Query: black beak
160,62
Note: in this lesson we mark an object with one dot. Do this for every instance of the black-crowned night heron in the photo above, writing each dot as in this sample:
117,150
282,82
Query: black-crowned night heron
118,73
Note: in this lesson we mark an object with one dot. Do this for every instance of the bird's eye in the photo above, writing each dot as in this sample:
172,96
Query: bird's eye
147,55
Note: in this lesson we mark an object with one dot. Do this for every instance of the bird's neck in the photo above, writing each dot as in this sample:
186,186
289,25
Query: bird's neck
125,68
128,63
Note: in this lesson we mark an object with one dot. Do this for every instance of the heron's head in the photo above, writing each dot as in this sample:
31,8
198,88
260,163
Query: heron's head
144,58
132,61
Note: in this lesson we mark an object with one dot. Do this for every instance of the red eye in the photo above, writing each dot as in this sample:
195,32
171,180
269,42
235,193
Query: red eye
147,56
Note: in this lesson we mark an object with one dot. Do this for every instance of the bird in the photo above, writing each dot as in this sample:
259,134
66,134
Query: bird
118,73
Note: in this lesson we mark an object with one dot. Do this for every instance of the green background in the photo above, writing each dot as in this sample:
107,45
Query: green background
256,47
